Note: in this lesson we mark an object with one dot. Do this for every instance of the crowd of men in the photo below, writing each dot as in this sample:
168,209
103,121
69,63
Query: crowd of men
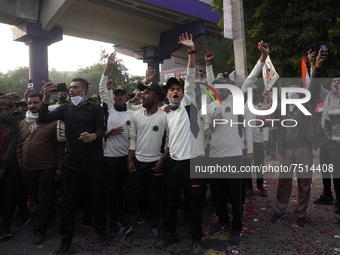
124,153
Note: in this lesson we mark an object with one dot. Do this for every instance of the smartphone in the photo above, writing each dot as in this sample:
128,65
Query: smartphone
323,48
61,87
314,47
30,84
218,110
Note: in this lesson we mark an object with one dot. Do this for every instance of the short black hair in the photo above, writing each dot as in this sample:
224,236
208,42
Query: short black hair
336,75
83,82
36,95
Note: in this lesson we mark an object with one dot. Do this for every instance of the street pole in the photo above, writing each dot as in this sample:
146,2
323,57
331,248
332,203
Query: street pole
239,42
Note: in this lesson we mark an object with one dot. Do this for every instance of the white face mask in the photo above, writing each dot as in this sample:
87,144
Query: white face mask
76,100
293,95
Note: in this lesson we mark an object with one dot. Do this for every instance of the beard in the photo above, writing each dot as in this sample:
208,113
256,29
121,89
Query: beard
149,105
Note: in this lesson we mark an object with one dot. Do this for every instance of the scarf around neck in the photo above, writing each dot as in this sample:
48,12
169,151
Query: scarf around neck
32,118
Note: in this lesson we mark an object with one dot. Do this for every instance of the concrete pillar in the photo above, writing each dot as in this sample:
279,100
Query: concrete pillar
38,63
155,65
239,42
38,41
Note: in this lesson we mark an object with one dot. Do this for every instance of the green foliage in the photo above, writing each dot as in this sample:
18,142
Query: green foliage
16,80
289,27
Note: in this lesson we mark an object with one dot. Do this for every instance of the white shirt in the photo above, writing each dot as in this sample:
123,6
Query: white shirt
225,139
146,134
181,142
115,145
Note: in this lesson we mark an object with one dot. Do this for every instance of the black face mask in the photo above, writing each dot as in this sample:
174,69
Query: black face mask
122,108
5,117
62,99
149,105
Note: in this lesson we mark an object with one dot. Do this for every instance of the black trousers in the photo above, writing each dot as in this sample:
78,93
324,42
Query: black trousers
42,186
115,174
75,174
258,161
229,190
15,195
335,160
326,176
177,177
144,179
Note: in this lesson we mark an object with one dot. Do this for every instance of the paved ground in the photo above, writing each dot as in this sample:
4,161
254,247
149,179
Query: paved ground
260,236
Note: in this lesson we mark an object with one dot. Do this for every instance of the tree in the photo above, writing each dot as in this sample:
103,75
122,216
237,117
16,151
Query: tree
289,27
14,81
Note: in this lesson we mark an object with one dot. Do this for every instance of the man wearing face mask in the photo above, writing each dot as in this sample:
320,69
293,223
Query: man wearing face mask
295,147
84,127
11,181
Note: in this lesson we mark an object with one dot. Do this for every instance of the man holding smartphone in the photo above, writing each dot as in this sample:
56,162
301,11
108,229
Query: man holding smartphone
84,127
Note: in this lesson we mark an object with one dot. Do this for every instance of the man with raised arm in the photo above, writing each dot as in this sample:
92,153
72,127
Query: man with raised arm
116,144
84,127
185,142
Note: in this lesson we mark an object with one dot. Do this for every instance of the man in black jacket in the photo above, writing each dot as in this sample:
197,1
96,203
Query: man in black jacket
84,130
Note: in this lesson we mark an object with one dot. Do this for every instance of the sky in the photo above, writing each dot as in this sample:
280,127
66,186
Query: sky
69,54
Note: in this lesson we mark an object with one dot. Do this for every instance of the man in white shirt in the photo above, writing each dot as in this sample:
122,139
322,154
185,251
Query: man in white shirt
185,142
145,163
116,143
226,149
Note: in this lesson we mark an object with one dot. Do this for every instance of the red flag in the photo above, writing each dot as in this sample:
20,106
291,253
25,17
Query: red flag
304,73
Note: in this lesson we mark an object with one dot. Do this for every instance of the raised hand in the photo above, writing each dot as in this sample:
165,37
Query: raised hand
322,56
209,56
264,48
311,56
149,74
47,90
187,41
109,85
111,60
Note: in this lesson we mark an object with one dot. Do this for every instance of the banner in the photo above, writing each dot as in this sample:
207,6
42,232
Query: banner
269,74
228,19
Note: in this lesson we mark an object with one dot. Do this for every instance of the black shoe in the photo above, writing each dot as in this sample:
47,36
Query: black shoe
197,248
236,236
122,232
323,200
103,239
113,229
277,217
39,238
5,234
24,221
88,225
142,217
301,221
168,239
212,211
218,227
65,249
